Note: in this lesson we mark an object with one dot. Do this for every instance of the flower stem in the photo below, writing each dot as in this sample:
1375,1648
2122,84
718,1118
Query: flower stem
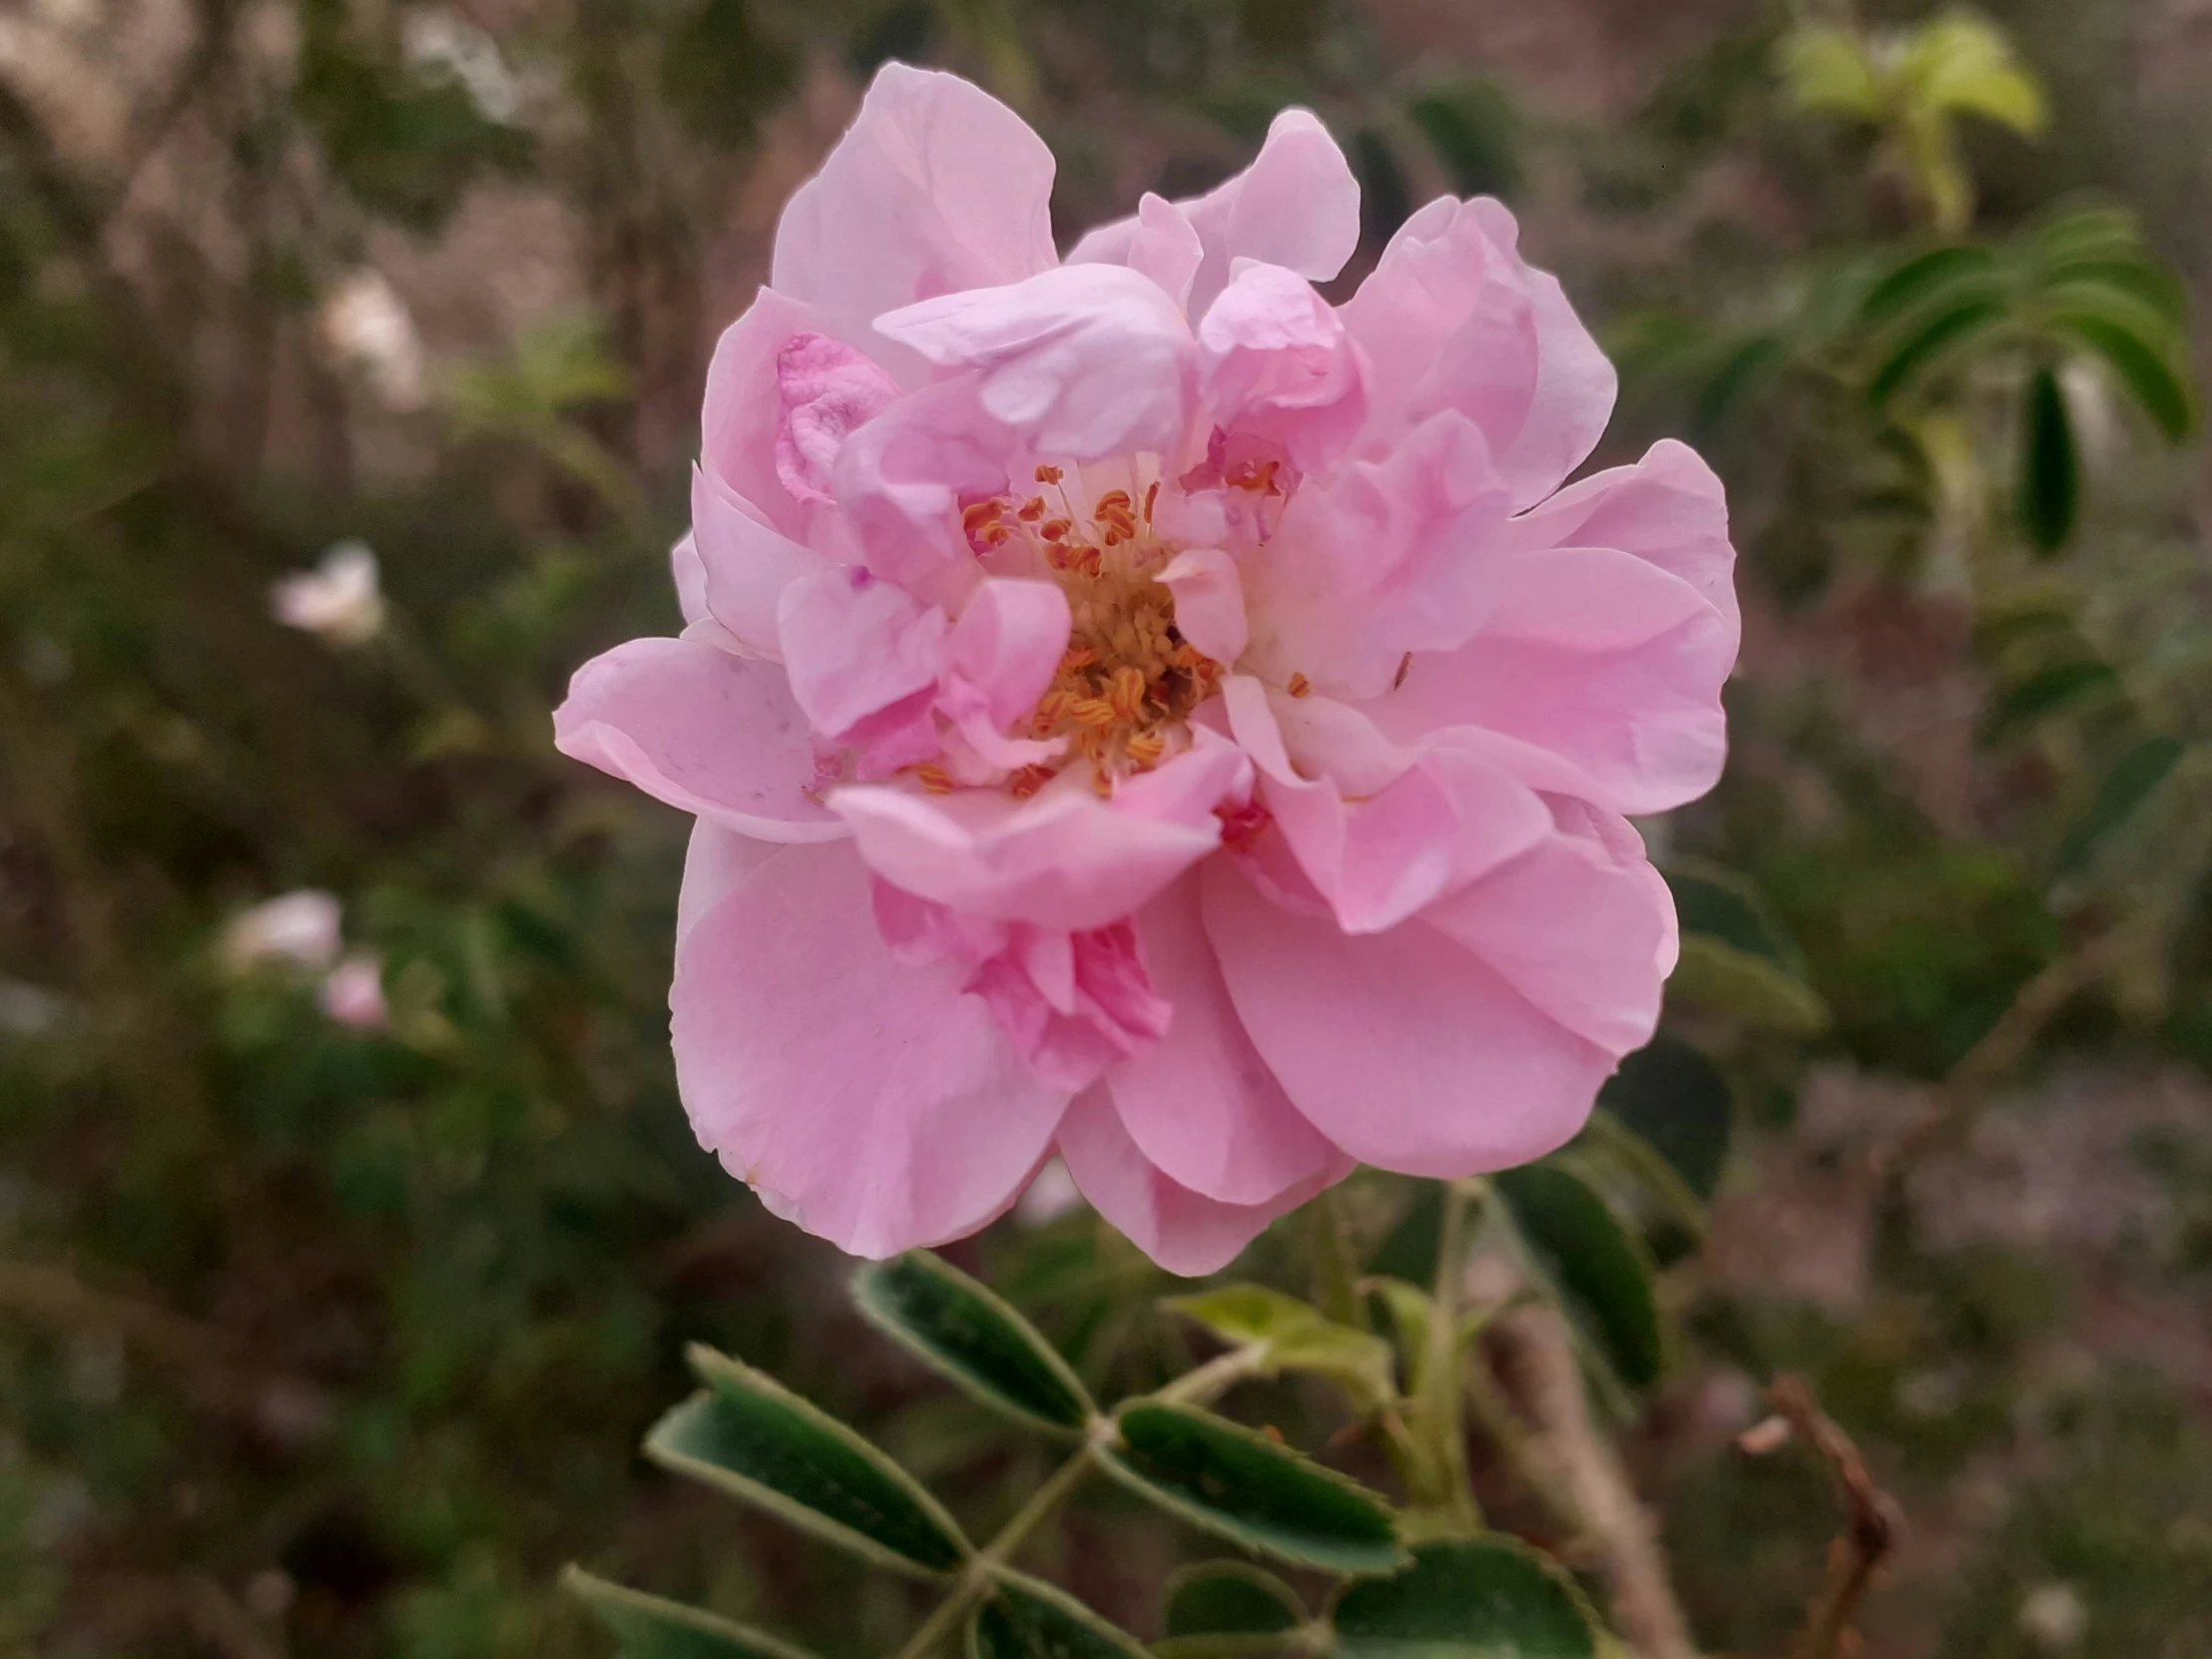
1442,1422
975,1581
1336,1291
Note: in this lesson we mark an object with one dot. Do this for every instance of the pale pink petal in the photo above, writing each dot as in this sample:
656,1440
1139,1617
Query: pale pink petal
1274,359
1452,317
1296,206
1667,508
690,578
1159,242
744,565
863,654
706,732
870,1102
1187,788
824,390
937,186
717,862
744,412
1086,360
1183,1232
1200,1103
1600,657
1072,1004
1581,926
1405,1048
901,478
999,660
1209,601
1063,858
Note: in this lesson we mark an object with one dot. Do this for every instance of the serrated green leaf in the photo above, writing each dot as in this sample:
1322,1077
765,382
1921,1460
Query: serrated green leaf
1026,1618
1245,1487
1922,279
2053,690
648,1627
2155,383
973,1336
1293,1335
1603,1275
2131,782
1827,70
1941,334
1478,1598
1227,1598
1676,1101
749,1436
1754,989
2049,497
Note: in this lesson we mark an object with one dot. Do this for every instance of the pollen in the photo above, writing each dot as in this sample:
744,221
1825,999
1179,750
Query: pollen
1300,685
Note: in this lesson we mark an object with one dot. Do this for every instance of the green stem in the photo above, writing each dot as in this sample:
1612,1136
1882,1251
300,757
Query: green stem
1443,1423
976,1580
1336,1291
1207,1383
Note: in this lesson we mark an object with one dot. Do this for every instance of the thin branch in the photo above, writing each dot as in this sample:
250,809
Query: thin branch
1873,1522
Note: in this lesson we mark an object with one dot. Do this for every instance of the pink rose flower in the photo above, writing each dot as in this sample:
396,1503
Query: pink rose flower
1138,711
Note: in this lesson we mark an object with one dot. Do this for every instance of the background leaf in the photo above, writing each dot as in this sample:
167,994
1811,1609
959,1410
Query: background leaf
1485,1598
1672,1096
2049,493
973,1336
2131,782
648,1627
1025,1618
1293,1335
1602,1274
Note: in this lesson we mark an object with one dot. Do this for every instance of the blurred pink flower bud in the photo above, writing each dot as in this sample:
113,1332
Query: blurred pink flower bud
339,598
354,994
297,930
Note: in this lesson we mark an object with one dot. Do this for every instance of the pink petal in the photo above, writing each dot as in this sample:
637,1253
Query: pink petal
744,412
1183,1232
1581,926
1063,858
1601,657
716,861
1452,317
744,565
1200,1103
870,1102
1086,360
901,478
1405,1048
1159,242
1296,206
1209,601
1274,359
706,732
936,187
999,660
1072,1004
690,578
825,390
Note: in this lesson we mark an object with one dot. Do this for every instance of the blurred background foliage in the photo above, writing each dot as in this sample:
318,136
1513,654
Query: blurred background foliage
333,1340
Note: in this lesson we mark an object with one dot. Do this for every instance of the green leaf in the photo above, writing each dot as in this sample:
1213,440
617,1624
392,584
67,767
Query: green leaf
1939,271
1674,1099
1293,1335
1967,63
2049,494
1754,989
1228,1600
1602,1274
962,1330
1224,1478
648,1627
1026,1618
2049,691
1709,899
1472,126
1947,329
2153,382
754,1439
2130,783
1828,69
1478,1598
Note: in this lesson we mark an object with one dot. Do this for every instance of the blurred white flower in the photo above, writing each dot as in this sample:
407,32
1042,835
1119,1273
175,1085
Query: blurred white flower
442,42
367,325
339,598
29,1010
353,995
1051,1196
297,928
2054,1617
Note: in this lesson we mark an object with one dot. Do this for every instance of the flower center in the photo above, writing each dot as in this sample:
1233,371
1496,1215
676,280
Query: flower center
1128,679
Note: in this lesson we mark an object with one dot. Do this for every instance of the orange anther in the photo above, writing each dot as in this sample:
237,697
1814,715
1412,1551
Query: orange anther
1028,781
1075,657
1146,748
1128,694
1031,510
935,778
1301,685
1049,474
1057,530
1094,712
1151,495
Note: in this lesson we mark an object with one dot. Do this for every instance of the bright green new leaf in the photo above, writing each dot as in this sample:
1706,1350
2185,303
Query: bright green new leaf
1026,1618
1244,1486
1754,989
2134,777
1477,1598
648,1627
1293,1335
1967,63
754,1439
1827,70
1602,1274
2048,498
973,1336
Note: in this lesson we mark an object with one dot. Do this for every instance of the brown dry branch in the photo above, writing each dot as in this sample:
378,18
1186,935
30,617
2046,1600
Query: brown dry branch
1873,1522
1582,1473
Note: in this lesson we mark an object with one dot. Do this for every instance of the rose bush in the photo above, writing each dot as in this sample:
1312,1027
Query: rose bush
1138,709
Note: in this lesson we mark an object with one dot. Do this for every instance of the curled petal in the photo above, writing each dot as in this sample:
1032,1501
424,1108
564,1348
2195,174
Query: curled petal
1405,1048
901,478
1209,601
1296,206
1274,359
744,564
871,1102
706,732
825,390
864,655
743,413
716,861
1181,1230
999,660
937,186
690,578
1086,360
1159,242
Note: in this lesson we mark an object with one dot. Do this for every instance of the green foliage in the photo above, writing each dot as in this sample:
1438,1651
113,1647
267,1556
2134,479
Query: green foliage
1023,1618
1485,1597
1215,1607
649,1627
1601,1272
1285,1334
963,1331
